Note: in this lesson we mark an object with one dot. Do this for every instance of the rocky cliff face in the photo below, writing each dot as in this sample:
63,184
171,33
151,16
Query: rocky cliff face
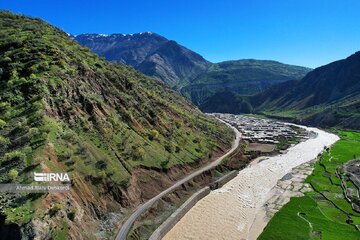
63,109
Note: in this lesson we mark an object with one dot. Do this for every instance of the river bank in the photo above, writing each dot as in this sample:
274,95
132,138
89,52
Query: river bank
230,212
290,185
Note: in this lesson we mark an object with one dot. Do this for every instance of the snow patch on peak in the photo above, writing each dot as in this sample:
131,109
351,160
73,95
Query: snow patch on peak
149,33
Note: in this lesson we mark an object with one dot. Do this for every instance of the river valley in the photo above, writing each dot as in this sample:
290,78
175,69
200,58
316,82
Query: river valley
236,211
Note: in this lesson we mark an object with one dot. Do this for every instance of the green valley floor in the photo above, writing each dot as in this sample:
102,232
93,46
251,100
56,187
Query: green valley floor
323,213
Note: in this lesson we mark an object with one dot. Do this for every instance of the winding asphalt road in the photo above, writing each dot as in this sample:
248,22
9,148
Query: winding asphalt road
142,208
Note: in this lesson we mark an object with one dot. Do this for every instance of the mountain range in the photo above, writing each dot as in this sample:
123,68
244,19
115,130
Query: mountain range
186,71
328,96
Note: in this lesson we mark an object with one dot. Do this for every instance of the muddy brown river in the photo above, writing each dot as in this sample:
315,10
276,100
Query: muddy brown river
233,211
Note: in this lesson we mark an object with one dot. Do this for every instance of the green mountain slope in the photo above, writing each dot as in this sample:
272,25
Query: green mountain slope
244,77
63,109
327,96
326,84
227,102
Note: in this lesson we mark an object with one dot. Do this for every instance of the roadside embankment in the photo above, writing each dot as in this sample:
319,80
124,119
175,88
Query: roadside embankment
164,228
223,180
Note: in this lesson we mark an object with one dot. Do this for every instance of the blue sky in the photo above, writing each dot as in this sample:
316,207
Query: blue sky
303,32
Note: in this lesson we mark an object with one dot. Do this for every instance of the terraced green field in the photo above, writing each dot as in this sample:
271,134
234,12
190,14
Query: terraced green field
323,213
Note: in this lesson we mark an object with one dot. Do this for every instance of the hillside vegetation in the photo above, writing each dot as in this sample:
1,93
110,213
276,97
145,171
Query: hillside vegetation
243,77
328,96
63,109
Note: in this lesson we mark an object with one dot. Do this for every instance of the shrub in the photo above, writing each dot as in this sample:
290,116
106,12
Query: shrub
196,140
169,147
4,141
71,215
69,136
164,163
2,123
101,164
34,132
15,155
139,152
154,134
177,149
4,106
55,209
13,174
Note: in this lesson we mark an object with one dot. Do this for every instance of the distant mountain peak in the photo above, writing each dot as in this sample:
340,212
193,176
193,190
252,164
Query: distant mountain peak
105,35
149,53
149,33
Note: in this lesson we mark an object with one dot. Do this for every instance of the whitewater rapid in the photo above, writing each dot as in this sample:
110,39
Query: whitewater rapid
230,212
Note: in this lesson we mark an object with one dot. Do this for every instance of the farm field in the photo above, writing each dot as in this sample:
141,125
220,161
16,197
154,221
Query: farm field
323,213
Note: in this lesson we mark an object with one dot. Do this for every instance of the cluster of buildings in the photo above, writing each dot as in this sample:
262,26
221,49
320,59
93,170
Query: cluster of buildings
256,130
